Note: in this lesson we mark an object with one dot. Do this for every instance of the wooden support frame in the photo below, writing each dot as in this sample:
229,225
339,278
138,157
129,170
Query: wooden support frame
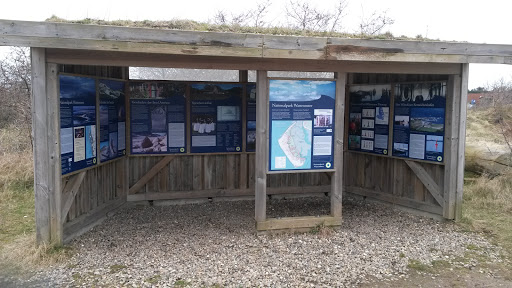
46,134
69,192
425,178
151,173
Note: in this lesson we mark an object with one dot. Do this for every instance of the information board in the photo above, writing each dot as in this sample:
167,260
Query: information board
368,127
215,117
301,124
251,117
112,119
419,117
77,122
157,117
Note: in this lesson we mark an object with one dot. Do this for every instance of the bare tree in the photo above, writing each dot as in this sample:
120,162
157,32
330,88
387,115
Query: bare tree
220,18
338,14
500,99
254,17
259,13
303,15
16,90
374,24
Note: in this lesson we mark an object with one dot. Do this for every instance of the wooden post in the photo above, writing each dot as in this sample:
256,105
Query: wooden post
243,76
462,141
453,95
261,146
46,134
339,116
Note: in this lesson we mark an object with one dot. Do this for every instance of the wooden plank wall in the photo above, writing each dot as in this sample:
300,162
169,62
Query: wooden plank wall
390,179
213,172
100,185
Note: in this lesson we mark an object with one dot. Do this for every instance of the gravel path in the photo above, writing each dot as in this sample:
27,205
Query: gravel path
214,244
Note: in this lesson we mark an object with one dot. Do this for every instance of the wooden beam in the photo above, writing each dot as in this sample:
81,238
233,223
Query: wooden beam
151,173
69,192
212,193
392,199
297,222
261,146
451,143
127,39
462,141
339,116
425,178
40,136
85,57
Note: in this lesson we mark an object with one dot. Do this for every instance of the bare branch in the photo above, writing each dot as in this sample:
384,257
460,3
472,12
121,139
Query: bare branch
375,23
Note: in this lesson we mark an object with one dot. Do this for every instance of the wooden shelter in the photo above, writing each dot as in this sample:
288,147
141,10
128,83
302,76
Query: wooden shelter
72,203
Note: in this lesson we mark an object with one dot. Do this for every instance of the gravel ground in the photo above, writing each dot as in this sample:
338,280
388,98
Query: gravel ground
214,244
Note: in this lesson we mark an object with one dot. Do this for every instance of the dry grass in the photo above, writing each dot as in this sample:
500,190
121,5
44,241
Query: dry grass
17,225
22,253
487,205
487,208
481,126
16,186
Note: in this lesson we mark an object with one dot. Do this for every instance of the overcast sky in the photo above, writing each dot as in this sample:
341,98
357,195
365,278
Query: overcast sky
478,22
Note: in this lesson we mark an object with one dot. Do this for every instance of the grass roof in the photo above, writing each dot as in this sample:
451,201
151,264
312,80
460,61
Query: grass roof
191,25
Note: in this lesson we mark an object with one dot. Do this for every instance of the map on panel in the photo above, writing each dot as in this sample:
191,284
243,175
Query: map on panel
292,150
301,126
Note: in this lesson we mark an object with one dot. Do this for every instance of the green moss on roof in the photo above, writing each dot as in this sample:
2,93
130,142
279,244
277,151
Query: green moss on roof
191,25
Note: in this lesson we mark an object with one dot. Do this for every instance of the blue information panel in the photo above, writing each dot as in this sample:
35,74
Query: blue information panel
77,122
157,117
251,118
215,117
368,127
418,128
301,124
112,119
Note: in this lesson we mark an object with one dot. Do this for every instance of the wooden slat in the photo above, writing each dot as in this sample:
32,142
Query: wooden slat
427,180
261,146
220,172
209,172
69,192
337,177
297,222
150,174
231,172
462,141
198,175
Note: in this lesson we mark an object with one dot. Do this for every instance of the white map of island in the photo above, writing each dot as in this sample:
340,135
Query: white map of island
294,142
